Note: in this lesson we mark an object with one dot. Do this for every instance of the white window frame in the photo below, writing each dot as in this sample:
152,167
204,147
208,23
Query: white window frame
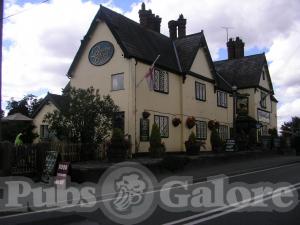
200,91
222,99
43,128
223,132
201,130
112,82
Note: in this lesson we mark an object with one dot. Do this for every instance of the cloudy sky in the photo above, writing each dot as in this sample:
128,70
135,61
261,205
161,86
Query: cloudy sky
41,39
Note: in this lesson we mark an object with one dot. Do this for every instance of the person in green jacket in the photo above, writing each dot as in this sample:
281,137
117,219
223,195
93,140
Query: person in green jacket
18,141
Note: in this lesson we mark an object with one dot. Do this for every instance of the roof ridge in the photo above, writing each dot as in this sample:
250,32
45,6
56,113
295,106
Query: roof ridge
190,35
134,22
246,56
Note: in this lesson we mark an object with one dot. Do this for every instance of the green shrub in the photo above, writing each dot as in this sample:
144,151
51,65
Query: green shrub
118,146
157,149
193,146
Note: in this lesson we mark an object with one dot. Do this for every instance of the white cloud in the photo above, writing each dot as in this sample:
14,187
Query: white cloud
46,37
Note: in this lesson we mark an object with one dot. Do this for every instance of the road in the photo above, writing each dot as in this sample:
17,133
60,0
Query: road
226,215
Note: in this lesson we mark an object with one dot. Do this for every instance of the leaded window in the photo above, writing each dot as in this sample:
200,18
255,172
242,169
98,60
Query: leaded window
163,124
161,81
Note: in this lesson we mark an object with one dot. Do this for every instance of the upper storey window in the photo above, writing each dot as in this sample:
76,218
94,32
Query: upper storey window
161,81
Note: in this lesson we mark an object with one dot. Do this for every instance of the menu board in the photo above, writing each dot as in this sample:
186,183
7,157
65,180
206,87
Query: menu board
230,145
49,166
144,130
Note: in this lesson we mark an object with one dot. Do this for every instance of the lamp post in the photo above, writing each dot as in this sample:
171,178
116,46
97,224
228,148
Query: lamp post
234,93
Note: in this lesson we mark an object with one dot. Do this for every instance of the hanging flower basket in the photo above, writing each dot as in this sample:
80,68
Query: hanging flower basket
190,122
176,121
211,124
146,114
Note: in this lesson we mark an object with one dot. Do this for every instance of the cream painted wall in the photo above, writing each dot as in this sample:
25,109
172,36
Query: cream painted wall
200,65
38,119
264,82
159,104
204,110
86,74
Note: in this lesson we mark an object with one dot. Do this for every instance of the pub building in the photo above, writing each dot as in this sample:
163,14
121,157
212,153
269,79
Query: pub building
116,54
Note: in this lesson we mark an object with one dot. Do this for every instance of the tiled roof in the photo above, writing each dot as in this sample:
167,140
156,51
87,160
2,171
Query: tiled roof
146,44
243,72
58,100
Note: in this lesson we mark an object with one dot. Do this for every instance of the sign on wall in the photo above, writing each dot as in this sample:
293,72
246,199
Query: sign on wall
263,116
144,130
242,106
101,53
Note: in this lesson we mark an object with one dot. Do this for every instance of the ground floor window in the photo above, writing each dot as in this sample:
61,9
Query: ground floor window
163,124
201,129
44,132
223,132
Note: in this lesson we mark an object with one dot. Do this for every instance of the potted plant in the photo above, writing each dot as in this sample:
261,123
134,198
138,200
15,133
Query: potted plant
117,147
193,146
190,122
176,121
157,148
146,114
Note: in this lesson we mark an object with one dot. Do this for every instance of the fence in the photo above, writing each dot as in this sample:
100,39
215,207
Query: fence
29,159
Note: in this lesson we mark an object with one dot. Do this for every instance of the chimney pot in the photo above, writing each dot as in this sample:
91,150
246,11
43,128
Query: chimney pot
181,26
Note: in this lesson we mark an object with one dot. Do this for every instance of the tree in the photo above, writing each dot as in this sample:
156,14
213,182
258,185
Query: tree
289,127
86,117
26,106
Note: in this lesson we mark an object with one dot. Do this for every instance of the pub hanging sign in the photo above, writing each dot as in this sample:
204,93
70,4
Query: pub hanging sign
144,130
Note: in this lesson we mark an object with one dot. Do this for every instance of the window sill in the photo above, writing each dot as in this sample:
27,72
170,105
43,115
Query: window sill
117,90
225,107
201,100
162,92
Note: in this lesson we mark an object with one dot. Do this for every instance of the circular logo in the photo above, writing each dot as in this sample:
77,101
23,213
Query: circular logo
101,53
127,190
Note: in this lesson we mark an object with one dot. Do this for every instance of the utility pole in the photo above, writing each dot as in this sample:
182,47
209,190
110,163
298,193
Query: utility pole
227,31
1,37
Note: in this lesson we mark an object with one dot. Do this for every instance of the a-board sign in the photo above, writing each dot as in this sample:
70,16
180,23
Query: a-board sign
62,173
230,145
49,166
144,130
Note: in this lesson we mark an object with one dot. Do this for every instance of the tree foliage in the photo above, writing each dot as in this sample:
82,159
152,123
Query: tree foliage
289,127
86,117
26,105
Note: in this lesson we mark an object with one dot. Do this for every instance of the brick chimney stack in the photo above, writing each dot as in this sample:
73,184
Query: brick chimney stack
181,22
231,49
239,48
148,19
235,48
172,29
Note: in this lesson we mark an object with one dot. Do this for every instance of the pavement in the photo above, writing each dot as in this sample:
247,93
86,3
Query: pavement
255,169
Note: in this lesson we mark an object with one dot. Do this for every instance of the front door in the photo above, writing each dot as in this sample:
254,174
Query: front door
119,120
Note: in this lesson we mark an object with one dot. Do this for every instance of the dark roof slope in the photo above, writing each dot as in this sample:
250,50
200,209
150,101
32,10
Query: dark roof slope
58,100
134,40
244,72
187,48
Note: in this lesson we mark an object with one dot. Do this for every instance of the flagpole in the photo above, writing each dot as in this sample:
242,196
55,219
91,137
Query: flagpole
1,36
138,84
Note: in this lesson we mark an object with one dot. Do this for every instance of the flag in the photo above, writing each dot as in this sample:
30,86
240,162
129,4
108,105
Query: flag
149,76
